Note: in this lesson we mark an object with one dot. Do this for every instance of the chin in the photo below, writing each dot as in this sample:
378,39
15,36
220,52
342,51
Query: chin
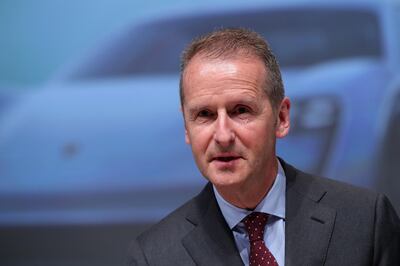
224,180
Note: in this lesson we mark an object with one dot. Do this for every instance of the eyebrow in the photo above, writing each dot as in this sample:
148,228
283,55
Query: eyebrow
195,109
246,100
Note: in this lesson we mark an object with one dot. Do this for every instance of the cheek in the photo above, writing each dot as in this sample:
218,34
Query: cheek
258,140
253,135
199,140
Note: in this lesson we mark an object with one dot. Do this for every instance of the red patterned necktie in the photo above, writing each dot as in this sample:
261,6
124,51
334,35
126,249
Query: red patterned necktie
259,253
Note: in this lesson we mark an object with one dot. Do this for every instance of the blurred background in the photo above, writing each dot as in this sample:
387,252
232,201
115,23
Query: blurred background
91,137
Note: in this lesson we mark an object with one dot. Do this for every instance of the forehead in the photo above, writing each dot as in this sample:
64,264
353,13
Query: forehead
215,76
202,60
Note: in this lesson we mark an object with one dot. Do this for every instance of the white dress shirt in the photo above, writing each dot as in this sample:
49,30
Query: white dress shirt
273,204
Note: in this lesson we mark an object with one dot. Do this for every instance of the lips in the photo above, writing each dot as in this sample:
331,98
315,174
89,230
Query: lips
224,162
225,157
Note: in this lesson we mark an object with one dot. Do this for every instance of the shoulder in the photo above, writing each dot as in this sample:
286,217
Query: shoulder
164,239
327,191
352,205
173,226
181,220
350,216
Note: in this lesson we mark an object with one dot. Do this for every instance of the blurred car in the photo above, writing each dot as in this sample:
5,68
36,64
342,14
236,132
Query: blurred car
103,142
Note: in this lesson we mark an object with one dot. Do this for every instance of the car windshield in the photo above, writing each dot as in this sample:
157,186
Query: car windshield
298,38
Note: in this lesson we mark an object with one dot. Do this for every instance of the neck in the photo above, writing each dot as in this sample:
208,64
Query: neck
249,194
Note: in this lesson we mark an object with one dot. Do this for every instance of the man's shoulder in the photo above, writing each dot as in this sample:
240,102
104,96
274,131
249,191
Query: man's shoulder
336,217
173,225
328,191
351,203
335,186
164,239
182,220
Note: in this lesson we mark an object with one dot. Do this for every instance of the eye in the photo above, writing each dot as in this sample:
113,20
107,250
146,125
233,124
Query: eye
241,109
204,113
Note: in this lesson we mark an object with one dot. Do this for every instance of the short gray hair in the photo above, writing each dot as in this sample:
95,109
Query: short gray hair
233,42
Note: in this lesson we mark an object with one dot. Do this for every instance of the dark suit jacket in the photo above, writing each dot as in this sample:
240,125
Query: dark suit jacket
327,223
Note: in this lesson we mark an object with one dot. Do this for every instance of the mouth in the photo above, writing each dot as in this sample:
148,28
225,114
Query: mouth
224,162
225,158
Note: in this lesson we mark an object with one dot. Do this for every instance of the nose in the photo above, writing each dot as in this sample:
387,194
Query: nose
224,134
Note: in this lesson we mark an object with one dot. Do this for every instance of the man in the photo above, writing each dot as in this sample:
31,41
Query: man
256,208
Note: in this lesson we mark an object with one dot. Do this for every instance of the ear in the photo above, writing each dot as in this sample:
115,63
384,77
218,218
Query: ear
187,139
283,119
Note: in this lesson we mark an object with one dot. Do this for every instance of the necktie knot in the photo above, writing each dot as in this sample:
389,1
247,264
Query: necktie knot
255,225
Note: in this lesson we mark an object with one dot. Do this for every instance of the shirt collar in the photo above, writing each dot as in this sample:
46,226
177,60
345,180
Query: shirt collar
273,203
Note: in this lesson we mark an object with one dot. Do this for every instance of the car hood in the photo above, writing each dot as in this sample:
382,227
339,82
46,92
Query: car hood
331,78
120,133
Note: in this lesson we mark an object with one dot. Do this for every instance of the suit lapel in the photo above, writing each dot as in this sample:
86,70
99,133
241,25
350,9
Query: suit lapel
211,242
309,224
308,230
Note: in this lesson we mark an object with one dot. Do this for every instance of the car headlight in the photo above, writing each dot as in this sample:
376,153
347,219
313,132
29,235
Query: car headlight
313,125
318,112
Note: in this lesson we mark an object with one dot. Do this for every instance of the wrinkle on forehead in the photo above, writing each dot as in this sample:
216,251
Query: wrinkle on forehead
206,97
204,73
219,65
223,66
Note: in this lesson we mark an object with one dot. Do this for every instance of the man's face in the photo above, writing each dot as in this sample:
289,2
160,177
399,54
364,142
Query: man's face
229,121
